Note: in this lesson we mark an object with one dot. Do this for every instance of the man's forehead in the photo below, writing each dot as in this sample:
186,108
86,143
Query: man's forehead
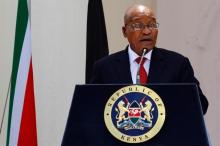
140,17
139,12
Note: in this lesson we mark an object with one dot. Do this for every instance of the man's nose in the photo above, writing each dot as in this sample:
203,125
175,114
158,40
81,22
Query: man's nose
146,30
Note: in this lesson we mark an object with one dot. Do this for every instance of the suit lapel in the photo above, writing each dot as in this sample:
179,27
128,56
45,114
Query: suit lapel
157,66
123,67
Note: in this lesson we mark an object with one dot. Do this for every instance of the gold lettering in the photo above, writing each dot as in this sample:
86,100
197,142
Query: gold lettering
136,89
122,137
113,98
123,91
130,89
157,99
146,137
118,94
159,104
134,139
109,104
128,139
149,92
140,138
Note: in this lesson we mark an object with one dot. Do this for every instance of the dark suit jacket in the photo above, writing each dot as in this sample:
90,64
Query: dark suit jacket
165,67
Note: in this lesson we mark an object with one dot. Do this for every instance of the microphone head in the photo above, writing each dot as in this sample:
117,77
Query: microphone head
144,51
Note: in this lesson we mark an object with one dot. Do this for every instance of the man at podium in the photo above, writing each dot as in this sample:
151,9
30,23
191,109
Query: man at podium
142,62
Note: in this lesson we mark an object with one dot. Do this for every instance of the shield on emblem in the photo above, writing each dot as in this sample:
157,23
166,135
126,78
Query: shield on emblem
134,112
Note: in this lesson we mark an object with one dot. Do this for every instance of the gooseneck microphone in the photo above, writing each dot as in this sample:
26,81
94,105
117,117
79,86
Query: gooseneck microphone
139,64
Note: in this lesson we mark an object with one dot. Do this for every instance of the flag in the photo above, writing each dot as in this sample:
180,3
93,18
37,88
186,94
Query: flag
97,44
22,129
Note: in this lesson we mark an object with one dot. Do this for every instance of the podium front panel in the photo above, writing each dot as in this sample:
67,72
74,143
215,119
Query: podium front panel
183,126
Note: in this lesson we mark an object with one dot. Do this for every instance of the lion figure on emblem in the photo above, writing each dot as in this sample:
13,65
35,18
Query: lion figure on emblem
121,111
147,109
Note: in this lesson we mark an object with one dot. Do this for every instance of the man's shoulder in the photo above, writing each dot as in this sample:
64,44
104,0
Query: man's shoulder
168,54
113,57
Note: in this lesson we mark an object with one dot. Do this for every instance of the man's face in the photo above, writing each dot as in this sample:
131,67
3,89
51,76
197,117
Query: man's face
141,32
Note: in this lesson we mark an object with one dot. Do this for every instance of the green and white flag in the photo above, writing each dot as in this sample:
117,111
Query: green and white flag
22,130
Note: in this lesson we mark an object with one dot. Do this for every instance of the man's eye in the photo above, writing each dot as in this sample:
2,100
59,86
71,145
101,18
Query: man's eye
152,25
137,25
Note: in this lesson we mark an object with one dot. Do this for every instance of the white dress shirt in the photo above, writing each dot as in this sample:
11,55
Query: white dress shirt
134,65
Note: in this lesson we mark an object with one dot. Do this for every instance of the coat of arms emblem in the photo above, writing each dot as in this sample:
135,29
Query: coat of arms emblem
134,114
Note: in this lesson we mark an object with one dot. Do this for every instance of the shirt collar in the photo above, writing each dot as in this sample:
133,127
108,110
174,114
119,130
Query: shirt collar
133,55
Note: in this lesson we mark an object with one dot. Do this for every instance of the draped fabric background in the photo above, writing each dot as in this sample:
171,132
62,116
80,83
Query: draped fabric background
59,52
96,42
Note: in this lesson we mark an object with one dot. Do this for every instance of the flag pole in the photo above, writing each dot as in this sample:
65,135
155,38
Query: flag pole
6,102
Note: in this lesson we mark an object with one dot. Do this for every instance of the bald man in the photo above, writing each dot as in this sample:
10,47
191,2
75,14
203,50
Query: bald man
159,65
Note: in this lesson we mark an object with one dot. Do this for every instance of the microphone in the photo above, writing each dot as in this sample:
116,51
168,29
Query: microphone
138,70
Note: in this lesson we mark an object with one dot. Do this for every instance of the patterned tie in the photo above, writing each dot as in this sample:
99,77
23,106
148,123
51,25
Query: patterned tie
143,73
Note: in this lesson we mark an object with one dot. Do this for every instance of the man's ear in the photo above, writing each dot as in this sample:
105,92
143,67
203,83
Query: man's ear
124,31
